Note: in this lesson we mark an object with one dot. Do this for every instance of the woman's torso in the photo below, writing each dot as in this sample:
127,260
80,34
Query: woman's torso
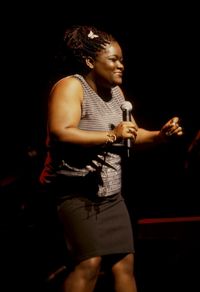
69,161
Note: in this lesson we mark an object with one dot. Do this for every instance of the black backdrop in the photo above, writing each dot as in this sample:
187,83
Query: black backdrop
161,49
160,44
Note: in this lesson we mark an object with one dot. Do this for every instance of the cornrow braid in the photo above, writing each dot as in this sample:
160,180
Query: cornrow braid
85,41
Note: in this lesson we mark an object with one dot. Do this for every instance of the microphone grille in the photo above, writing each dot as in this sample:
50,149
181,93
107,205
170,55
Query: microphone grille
126,105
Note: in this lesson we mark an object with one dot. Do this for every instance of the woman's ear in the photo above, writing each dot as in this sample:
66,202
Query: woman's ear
89,62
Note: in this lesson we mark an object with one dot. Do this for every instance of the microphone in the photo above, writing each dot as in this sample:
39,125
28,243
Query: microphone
126,108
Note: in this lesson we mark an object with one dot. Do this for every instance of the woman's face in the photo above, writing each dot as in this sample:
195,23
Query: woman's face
108,66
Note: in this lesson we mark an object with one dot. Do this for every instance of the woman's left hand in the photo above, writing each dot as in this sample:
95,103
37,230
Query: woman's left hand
172,128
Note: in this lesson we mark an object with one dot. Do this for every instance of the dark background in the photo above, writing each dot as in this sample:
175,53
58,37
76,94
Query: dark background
161,51
160,43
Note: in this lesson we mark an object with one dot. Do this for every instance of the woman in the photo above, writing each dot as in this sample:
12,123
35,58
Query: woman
86,140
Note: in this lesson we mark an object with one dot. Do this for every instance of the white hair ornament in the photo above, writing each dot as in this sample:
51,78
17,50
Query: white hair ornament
91,35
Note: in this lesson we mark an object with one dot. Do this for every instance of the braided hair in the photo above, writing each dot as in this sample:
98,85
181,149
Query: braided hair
81,42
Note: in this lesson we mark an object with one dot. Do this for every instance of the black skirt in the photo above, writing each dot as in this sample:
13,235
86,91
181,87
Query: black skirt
96,227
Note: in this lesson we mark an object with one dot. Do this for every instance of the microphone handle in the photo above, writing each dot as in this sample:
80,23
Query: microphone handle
127,117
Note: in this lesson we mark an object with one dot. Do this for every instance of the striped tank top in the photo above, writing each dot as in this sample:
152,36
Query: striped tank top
77,161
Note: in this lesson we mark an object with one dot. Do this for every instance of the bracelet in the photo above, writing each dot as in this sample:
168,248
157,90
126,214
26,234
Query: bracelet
111,138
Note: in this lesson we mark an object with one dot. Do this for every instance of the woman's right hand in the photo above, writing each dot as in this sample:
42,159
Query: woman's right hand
126,130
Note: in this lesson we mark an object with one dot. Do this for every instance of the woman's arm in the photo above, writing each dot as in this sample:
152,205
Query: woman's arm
170,129
64,114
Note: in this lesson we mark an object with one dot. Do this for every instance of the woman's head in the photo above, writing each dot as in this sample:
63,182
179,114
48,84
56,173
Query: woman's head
94,50
86,41
79,43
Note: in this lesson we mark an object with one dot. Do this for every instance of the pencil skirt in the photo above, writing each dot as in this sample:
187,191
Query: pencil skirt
96,227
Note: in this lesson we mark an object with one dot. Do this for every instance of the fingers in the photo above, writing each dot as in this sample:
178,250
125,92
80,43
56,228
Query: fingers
126,130
130,130
132,133
174,128
174,121
175,131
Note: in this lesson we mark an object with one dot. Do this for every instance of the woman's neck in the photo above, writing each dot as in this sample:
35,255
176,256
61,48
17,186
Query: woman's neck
103,92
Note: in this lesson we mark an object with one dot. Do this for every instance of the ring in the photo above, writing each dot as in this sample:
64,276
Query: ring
168,134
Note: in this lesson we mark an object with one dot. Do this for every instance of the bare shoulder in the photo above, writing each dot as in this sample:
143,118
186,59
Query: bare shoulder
67,87
68,82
